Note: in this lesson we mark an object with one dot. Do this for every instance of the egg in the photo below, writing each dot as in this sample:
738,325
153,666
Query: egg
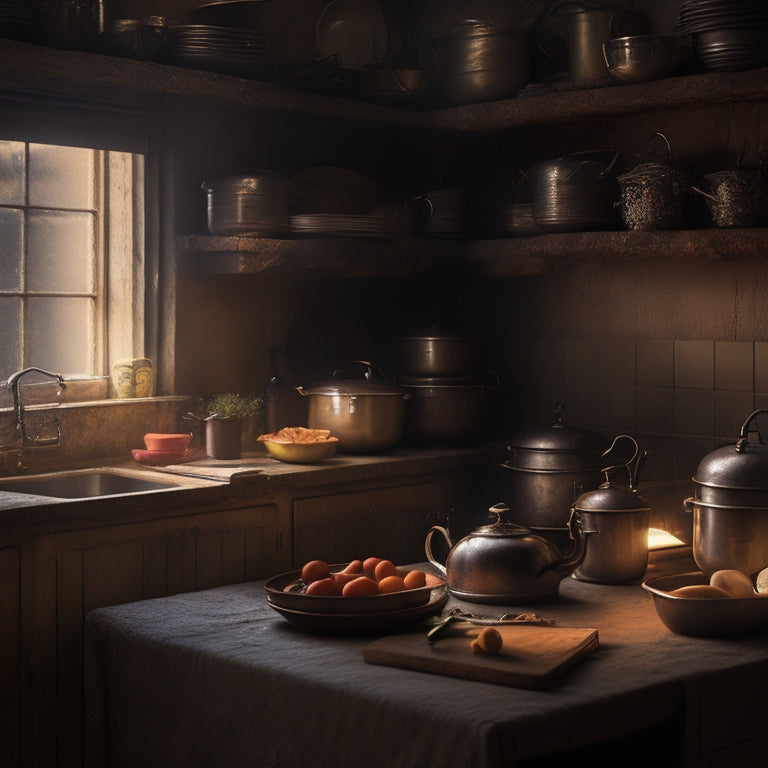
735,583
699,591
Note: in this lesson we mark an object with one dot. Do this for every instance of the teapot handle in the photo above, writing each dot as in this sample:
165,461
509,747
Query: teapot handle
428,547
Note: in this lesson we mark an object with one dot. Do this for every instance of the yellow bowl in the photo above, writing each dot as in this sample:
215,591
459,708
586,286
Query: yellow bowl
301,453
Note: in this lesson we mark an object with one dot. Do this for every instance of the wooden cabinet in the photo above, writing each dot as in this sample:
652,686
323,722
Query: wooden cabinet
386,522
77,571
11,668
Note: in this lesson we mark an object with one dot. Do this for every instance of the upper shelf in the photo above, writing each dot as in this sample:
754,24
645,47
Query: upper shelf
505,257
35,72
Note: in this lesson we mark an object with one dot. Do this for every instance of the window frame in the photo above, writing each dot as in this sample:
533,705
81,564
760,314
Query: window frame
71,124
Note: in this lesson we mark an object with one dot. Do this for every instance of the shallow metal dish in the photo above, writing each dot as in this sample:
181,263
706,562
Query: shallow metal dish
713,617
278,597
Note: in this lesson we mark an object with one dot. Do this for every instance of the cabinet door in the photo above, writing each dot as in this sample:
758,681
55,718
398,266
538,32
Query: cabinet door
10,654
386,522
78,571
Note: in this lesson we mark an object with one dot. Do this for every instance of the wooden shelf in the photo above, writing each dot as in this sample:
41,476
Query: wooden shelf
514,256
34,72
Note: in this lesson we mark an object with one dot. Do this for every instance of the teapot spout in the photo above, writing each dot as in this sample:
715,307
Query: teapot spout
572,561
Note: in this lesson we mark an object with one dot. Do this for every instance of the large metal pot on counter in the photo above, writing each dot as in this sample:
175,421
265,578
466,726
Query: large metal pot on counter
505,562
548,468
444,411
437,353
366,414
730,504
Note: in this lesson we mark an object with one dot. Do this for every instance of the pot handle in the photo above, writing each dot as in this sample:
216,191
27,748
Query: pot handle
745,430
688,504
428,547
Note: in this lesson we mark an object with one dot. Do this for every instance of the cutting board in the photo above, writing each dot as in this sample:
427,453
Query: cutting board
531,656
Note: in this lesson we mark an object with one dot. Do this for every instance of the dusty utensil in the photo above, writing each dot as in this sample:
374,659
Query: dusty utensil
443,623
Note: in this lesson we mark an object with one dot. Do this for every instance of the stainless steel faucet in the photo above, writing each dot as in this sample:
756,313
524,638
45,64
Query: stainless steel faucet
18,407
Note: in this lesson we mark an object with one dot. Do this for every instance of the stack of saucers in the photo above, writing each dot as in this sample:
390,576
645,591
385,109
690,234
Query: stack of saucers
727,35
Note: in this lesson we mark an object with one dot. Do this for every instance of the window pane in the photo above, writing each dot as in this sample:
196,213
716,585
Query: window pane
10,354
11,241
60,252
12,172
61,176
58,334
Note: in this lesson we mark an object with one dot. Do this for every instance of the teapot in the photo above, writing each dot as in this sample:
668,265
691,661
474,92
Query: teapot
507,563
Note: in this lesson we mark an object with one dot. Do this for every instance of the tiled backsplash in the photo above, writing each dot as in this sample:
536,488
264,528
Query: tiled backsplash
680,398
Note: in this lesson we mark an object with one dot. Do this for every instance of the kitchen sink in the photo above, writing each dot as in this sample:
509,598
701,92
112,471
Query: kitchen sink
83,485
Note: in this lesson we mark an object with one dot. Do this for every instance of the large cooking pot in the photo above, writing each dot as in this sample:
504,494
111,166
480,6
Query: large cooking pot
257,204
505,562
480,61
549,468
444,411
575,192
730,504
437,353
366,414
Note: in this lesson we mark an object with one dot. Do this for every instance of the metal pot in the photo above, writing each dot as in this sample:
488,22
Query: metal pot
444,411
366,415
480,61
617,520
258,204
730,504
575,192
437,353
549,468
505,562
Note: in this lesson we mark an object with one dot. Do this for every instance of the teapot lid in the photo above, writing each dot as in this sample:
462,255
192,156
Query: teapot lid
501,526
609,499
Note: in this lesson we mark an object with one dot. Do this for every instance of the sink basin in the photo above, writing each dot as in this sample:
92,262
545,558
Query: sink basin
83,485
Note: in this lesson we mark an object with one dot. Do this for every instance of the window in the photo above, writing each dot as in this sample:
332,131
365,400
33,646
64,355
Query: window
71,257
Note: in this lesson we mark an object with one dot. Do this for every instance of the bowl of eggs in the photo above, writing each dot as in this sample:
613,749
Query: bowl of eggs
725,603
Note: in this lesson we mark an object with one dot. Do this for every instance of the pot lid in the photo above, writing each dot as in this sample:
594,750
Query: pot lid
741,465
258,182
367,385
610,499
559,437
437,334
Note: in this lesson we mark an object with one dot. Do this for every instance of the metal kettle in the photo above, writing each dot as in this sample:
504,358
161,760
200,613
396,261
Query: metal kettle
505,562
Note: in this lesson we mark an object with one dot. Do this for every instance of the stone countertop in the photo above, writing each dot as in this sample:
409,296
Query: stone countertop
204,482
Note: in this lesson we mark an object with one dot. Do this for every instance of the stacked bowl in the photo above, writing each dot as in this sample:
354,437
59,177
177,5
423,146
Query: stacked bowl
445,394
727,35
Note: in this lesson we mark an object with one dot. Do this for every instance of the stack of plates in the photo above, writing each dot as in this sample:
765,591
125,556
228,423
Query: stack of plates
20,19
340,225
219,49
727,35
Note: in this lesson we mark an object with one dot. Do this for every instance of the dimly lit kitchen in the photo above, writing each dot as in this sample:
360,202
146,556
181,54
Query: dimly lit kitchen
382,382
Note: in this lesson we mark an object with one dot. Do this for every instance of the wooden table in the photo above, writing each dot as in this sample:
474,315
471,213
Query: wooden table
218,678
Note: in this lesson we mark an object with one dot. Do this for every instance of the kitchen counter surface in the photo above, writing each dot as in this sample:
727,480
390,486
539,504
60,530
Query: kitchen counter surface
204,481
218,678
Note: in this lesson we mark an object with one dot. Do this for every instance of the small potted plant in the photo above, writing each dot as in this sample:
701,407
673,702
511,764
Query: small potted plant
227,414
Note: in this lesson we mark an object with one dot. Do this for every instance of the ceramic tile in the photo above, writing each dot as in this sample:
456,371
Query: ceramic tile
734,366
731,410
761,366
695,364
656,409
655,362
694,412
617,361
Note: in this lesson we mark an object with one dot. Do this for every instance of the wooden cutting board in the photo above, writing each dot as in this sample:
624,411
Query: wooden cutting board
532,656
